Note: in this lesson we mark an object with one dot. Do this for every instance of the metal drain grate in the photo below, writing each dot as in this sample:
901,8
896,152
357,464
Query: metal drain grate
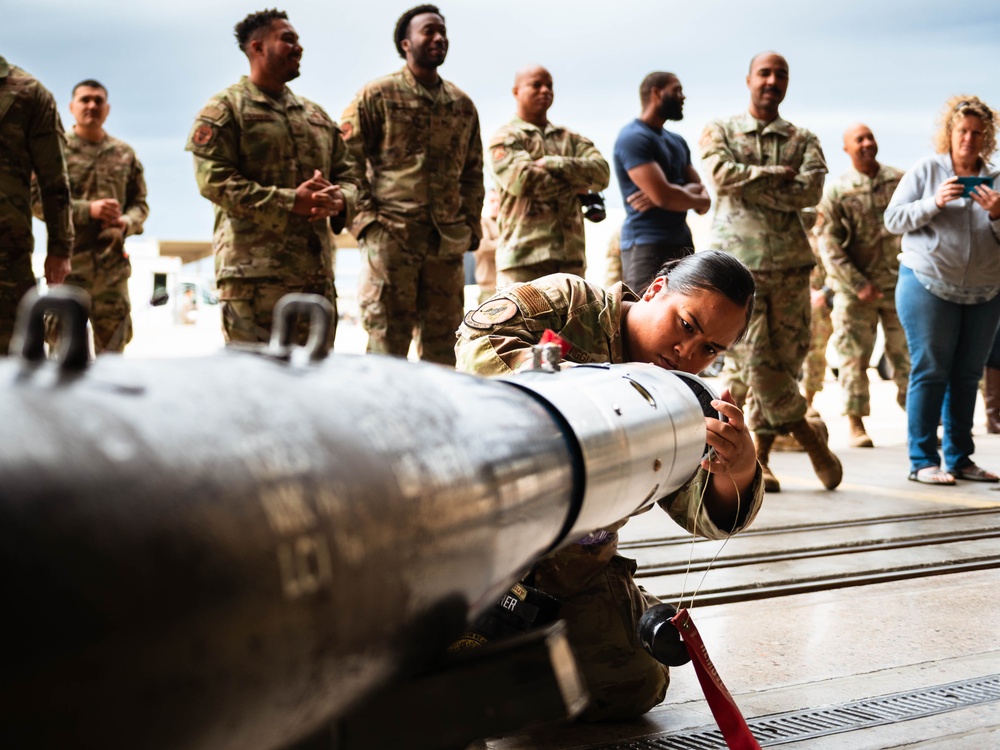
795,726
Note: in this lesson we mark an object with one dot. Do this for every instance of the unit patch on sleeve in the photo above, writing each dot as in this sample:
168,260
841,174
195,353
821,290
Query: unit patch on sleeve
202,135
491,313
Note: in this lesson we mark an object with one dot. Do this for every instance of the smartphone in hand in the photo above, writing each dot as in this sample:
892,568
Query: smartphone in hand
968,183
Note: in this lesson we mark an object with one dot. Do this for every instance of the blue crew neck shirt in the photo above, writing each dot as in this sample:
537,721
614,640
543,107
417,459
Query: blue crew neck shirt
639,144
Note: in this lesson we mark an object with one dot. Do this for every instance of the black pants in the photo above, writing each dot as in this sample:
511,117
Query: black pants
641,262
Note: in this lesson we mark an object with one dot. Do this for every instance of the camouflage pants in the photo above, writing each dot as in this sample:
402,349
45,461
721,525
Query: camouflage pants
814,367
601,605
510,276
410,293
769,360
103,273
855,326
247,307
16,280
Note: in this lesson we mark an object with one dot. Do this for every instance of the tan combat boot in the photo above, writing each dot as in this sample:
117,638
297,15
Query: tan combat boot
787,444
820,426
859,438
825,464
763,445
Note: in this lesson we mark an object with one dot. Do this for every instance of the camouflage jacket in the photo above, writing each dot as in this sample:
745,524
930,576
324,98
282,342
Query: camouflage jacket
421,153
31,140
496,339
540,215
108,169
250,153
757,210
856,247
817,276
486,267
812,221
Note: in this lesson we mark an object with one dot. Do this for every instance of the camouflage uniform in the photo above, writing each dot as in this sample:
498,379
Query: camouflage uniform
757,220
101,267
419,210
613,267
31,140
541,222
857,249
601,602
486,264
250,153
820,324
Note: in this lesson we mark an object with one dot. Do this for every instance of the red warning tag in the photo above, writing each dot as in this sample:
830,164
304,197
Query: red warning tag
727,714
551,337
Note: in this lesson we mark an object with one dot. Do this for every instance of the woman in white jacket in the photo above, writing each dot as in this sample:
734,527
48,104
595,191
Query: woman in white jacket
948,293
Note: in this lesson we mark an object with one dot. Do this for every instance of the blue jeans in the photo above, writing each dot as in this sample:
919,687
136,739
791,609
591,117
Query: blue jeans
948,346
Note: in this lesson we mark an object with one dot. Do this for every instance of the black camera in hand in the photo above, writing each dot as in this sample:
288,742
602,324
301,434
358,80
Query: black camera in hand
593,206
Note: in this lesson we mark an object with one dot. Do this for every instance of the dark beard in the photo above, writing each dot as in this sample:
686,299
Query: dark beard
424,60
671,109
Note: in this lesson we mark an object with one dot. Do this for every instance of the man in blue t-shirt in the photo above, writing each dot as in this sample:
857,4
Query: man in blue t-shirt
658,184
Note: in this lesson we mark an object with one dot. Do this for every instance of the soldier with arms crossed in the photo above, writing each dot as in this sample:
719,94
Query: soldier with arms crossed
658,183
540,169
766,171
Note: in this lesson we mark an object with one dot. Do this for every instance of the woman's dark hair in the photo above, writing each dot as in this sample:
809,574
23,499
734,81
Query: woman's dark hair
712,271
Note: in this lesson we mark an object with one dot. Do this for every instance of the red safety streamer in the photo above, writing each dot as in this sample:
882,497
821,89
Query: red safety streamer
551,337
727,714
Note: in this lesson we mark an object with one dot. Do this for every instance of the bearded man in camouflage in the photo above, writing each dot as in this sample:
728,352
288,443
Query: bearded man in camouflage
540,169
417,140
766,171
31,141
109,204
276,168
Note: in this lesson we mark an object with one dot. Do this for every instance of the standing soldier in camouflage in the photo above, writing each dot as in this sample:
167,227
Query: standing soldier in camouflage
108,196
765,171
276,168
860,256
540,169
417,140
31,140
820,329
820,322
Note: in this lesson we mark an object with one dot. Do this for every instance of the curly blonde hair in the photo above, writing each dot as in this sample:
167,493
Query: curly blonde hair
959,106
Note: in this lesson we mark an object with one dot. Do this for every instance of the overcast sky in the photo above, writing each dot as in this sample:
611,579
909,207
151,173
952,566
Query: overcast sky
890,63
